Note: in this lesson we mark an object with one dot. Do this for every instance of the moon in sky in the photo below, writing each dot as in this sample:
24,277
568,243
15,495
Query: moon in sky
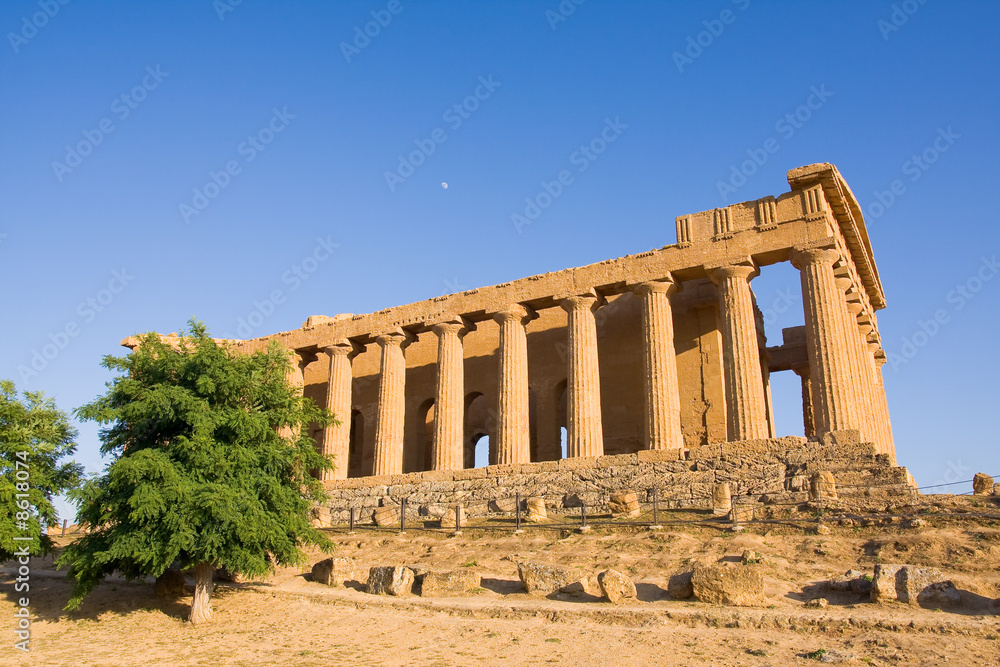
444,185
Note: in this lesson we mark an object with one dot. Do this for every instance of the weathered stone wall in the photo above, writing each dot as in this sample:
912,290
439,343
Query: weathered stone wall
775,470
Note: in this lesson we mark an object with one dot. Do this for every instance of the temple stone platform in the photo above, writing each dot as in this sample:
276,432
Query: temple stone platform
766,471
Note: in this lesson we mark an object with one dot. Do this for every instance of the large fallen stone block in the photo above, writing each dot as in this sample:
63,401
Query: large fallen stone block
543,579
615,586
449,584
737,585
722,499
624,503
912,585
333,571
389,580
982,484
536,510
385,517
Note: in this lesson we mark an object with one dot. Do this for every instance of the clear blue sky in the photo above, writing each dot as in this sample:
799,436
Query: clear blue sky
115,113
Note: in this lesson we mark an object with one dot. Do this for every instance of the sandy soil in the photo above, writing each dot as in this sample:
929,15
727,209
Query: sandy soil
289,620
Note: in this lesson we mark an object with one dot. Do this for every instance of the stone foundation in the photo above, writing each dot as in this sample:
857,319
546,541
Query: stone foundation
770,470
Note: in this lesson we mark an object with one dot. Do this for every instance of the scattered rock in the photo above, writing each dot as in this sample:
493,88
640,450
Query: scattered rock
615,586
843,582
862,585
543,579
722,499
679,586
939,594
915,522
536,510
823,486
385,517
751,557
739,585
624,503
905,583
503,505
587,586
822,529
818,603
982,484
170,584
996,489
389,580
333,571
450,584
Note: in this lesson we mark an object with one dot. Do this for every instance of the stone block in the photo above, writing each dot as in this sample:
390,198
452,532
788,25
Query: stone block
722,499
536,510
624,504
578,463
616,587
504,505
679,585
544,579
659,455
437,476
939,594
448,517
503,470
822,486
450,584
333,571
385,517
617,460
737,585
906,583
982,484
469,473
389,580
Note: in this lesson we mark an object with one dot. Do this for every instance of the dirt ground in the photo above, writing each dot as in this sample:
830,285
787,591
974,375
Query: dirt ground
290,620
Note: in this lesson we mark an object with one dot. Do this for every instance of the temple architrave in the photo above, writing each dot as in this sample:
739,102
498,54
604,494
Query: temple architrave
662,350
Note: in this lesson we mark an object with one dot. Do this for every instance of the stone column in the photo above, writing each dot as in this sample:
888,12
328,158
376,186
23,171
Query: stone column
746,413
827,342
449,400
295,377
662,395
808,422
883,405
337,439
865,372
584,427
391,405
513,432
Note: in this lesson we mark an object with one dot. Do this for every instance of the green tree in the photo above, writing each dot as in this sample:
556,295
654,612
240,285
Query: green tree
34,436
211,467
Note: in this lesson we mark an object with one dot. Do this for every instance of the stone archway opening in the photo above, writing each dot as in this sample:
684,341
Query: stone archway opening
481,451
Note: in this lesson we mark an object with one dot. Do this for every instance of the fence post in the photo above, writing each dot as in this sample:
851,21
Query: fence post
458,519
517,513
65,521
656,510
584,528
734,513
351,520
402,516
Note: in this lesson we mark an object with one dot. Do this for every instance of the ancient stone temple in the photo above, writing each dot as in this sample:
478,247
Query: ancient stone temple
663,350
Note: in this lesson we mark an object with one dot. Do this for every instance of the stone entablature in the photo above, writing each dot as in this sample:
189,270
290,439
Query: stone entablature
662,350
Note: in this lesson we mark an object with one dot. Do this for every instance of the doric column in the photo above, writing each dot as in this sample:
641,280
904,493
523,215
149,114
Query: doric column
865,372
391,404
584,428
827,342
513,432
808,422
662,396
449,398
746,414
295,377
337,439
883,405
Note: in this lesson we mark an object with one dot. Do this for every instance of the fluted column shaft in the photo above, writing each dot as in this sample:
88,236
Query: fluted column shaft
808,422
883,404
746,414
827,341
391,406
295,377
662,395
337,438
449,400
513,432
584,427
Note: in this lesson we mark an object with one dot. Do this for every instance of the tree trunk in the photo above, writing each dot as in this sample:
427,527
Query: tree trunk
201,605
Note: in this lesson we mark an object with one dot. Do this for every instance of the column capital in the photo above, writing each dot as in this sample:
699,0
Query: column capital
456,324
803,256
342,347
662,286
587,300
515,311
719,272
394,338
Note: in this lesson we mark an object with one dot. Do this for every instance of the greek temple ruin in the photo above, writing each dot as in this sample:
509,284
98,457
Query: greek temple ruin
660,351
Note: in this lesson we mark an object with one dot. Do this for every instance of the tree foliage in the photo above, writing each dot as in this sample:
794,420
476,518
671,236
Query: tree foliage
34,437
211,464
